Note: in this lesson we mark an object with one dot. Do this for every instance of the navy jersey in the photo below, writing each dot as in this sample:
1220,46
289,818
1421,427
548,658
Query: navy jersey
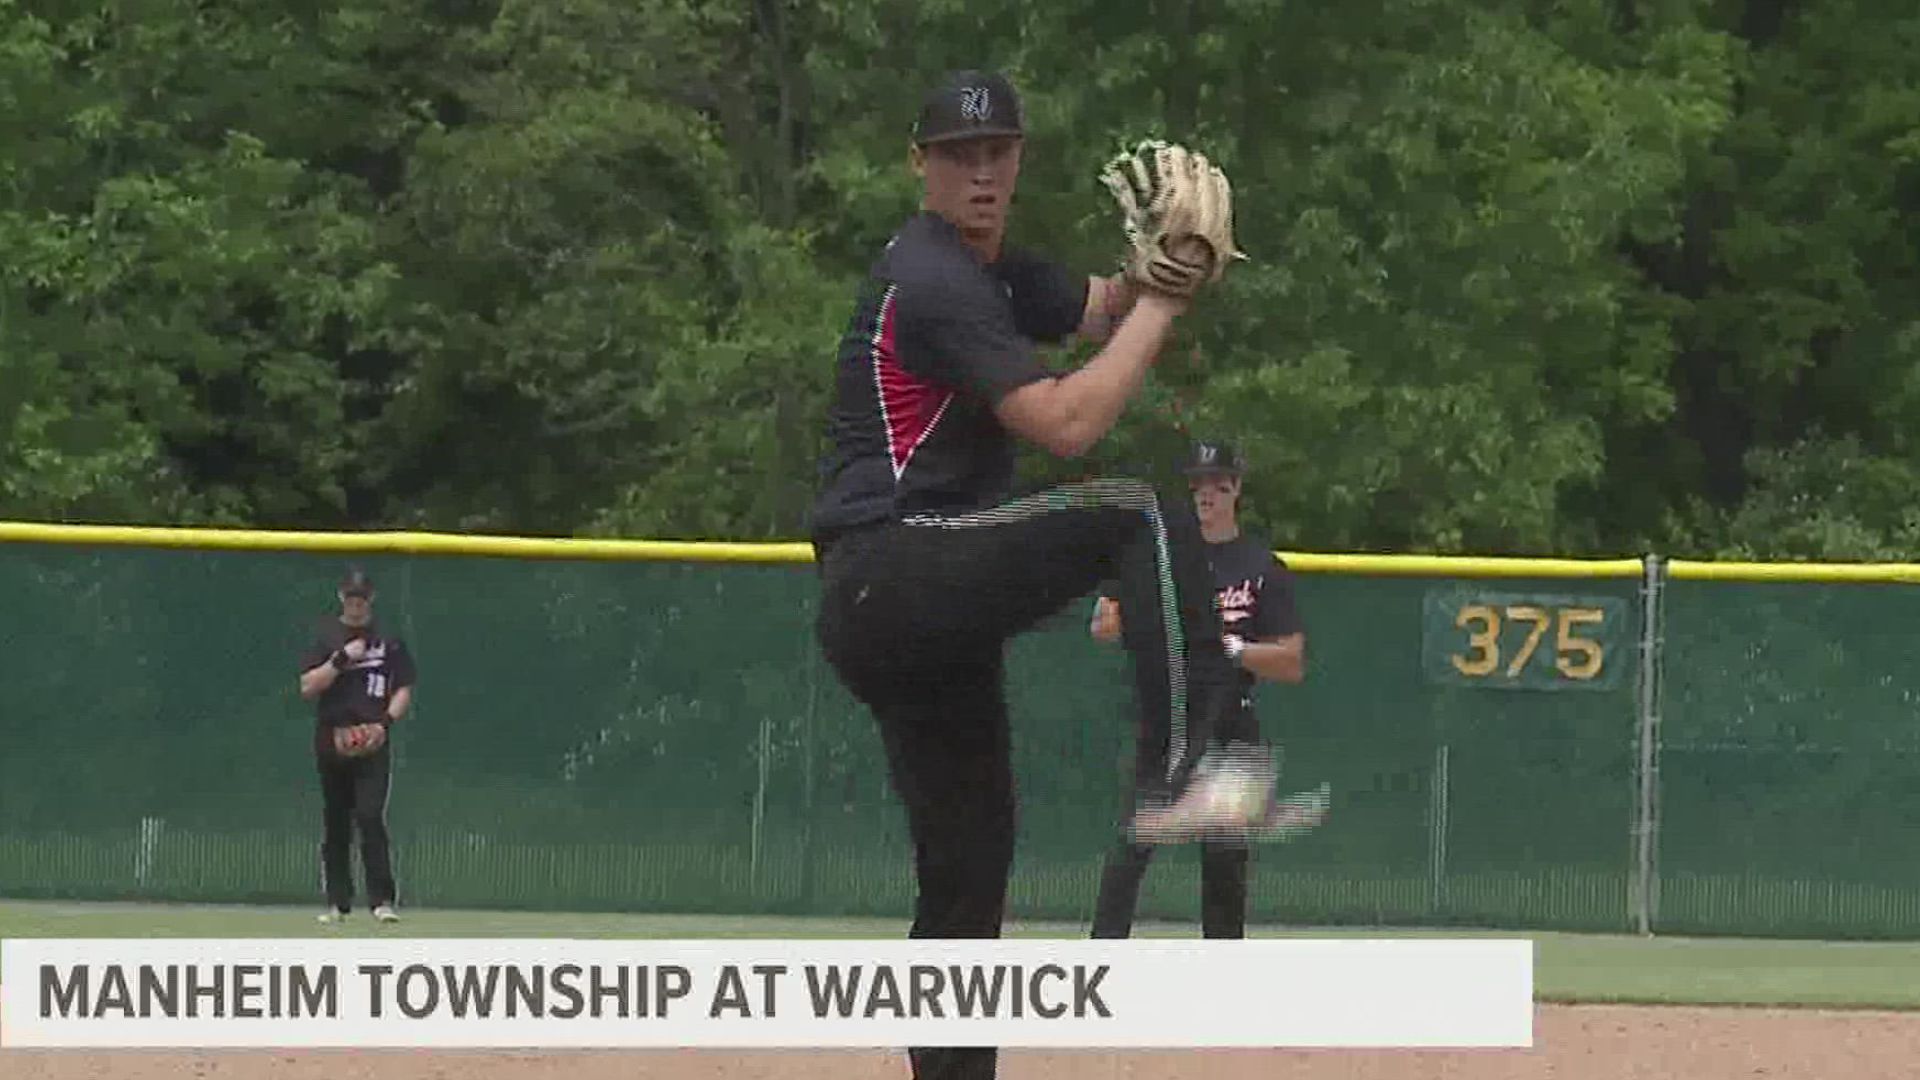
937,338
1253,590
360,693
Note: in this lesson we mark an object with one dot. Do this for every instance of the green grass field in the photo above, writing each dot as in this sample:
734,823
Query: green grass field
1568,967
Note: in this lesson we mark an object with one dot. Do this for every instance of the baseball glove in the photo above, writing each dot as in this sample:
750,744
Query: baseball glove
1177,212
358,740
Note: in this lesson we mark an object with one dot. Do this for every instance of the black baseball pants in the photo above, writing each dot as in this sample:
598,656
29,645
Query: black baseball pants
353,794
915,617
1223,864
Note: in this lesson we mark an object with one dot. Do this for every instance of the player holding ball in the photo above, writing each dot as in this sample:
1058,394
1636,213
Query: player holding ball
930,564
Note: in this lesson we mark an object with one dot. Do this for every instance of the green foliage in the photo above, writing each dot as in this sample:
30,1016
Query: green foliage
1586,277
1825,498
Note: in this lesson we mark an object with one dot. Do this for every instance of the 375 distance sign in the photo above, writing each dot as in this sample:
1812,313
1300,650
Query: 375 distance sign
1526,641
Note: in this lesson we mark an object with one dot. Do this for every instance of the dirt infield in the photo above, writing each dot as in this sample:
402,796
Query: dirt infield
1586,1042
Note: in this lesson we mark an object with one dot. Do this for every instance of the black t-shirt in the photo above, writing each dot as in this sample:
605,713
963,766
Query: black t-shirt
937,338
1252,588
360,693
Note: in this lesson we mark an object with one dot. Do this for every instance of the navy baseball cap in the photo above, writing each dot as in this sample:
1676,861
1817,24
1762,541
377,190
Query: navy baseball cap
968,105
356,583
1208,457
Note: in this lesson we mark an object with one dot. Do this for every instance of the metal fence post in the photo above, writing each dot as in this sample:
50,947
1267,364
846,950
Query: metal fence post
807,812
760,802
1644,898
1437,826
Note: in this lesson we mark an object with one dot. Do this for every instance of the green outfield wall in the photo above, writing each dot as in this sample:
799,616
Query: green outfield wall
605,726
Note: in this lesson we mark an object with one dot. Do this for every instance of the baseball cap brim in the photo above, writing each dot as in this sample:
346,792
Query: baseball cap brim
984,132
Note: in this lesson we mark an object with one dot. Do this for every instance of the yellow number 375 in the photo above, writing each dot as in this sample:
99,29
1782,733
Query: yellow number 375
1575,657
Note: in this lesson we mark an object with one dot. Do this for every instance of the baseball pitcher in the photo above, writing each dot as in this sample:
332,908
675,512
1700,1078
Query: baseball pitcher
930,562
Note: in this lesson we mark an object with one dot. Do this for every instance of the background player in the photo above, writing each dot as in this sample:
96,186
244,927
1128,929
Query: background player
356,674
1264,635
928,566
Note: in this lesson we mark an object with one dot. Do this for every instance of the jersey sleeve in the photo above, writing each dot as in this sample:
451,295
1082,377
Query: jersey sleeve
1048,299
957,330
1276,615
402,667
1110,589
314,654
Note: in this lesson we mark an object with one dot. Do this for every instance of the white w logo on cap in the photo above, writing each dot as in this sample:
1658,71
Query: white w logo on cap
974,104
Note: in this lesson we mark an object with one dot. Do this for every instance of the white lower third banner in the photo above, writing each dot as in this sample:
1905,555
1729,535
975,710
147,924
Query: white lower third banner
524,993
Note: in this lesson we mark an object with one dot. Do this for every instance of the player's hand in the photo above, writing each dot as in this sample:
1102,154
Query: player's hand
1235,646
1176,210
354,650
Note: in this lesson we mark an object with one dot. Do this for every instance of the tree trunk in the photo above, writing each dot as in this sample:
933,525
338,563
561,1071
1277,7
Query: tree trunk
786,153
1182,76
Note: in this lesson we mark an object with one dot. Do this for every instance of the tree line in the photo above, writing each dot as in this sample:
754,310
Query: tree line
1528,276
